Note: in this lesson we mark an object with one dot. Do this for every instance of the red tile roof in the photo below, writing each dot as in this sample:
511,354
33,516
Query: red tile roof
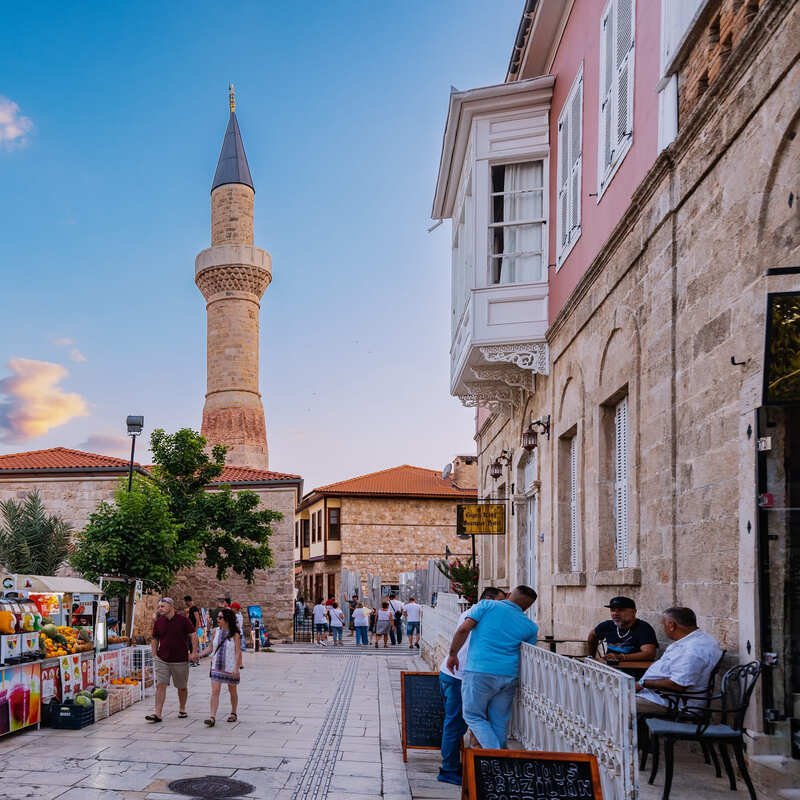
60,458
402,481
233,474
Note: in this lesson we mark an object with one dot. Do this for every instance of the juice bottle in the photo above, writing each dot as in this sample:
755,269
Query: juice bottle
5,725
19,699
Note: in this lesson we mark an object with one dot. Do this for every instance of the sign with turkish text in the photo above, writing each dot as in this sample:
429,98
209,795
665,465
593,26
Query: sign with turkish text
486,519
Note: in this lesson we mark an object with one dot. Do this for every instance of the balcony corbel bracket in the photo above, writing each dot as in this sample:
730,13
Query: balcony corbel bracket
532,356
493,395
511,376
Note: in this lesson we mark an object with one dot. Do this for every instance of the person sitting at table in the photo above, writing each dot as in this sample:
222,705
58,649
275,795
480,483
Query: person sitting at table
626,637
685,666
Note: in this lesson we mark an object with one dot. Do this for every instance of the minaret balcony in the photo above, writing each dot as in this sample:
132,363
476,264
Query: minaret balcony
229,268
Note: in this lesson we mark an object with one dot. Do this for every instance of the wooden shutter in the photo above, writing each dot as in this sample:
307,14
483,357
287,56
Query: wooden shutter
623,62
606,87
573,504
563,179
621,540
575,136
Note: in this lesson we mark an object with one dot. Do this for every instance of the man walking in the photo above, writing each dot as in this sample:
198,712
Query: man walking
396,609
413,614
492,672
172,634
454,727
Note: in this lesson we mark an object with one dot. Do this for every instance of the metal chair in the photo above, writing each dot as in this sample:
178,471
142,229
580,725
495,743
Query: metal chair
687,707
736,689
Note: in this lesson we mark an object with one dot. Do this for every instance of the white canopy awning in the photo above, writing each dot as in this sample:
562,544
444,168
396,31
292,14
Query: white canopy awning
53,583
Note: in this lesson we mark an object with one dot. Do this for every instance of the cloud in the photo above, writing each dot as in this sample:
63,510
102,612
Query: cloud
14,127
76,356
32,402
107,445
63,341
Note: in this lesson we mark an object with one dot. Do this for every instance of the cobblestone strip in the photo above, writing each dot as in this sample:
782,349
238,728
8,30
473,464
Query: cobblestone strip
318,770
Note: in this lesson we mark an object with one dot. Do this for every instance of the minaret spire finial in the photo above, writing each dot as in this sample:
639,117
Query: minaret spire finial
231,98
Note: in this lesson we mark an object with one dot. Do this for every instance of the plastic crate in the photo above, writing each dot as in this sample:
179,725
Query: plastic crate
101,709
72,717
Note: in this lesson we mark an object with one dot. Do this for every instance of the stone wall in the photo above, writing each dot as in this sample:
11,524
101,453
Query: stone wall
678,290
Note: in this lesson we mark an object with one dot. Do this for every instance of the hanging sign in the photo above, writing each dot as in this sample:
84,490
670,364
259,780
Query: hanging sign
485,519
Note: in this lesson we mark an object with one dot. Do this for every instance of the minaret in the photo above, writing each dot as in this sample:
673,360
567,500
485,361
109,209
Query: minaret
233,275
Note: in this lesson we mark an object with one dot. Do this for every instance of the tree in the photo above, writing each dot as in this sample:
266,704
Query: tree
31,540
229,530
463,577
135,536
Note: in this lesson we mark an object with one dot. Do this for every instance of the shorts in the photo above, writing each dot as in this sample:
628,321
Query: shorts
177,670
412,627
321,627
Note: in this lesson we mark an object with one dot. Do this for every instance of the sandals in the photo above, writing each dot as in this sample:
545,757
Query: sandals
182,715
153,718
232,717
211,721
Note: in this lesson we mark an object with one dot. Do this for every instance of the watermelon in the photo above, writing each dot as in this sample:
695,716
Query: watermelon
83,700
100,694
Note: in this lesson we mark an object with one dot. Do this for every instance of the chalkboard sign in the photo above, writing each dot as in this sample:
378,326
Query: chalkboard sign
530,775
422,711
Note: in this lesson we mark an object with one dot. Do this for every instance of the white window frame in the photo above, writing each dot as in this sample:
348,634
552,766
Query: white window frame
570,171
622,549
541,221
574,531
609,99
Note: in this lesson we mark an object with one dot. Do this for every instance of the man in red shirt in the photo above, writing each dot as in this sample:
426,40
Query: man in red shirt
172,635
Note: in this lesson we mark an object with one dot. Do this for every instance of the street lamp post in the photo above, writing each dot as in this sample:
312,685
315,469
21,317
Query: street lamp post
135,425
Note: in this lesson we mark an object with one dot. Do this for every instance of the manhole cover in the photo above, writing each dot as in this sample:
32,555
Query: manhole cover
211,787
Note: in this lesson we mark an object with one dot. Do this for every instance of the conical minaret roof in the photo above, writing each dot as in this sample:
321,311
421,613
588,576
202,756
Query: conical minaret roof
232,166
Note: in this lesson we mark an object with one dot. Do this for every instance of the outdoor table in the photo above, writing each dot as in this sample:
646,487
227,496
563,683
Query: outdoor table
633,668
550,643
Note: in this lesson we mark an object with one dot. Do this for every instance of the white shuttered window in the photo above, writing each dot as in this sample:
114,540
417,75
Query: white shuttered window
621,538
574,557
570,147
616,87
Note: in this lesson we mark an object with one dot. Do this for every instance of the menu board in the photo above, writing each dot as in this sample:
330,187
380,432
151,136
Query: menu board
422,711
530,775
20,695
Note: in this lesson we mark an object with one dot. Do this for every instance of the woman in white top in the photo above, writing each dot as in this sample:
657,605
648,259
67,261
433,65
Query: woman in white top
361,624
336,617
226,661
384,623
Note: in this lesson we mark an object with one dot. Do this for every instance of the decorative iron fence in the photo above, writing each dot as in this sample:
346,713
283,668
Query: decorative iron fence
571,705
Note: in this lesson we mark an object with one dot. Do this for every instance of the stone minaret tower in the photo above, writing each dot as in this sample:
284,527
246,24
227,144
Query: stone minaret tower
233,275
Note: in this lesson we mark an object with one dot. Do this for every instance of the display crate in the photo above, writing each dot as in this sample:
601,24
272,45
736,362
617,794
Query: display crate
143,669
114,702
72,717
101,709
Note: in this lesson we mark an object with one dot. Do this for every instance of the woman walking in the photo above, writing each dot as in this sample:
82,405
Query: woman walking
336,617
226,661
383,624
361,624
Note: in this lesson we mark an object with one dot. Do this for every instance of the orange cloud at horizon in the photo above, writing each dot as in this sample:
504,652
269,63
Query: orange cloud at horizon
33,402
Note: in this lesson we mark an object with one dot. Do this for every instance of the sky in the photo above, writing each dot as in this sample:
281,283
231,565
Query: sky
111,122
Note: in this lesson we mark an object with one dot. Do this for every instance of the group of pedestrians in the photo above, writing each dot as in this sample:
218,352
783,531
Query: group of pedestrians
175,646
388,623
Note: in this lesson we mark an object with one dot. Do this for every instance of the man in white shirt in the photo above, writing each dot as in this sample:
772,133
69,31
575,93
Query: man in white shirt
396,607
454,726
686,665
321,623
413,615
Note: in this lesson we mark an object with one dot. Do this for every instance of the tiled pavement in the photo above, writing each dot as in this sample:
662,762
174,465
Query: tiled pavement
313,726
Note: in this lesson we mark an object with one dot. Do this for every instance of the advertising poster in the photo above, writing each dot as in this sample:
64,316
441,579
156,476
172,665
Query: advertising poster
71,681
106,668
20,697
51,683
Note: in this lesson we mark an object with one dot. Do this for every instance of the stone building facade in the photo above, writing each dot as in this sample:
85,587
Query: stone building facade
380,524
661,470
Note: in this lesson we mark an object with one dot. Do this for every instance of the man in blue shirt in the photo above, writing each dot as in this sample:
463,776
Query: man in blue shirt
498,629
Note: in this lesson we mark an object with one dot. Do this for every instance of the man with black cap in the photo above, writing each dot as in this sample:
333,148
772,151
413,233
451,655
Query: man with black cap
626,637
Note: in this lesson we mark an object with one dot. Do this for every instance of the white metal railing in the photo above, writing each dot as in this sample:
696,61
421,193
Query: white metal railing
570,705
438,626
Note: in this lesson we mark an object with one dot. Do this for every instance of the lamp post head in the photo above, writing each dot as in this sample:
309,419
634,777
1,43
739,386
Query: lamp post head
135,425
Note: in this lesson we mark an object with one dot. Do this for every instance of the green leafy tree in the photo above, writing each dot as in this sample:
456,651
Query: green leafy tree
463,577
135,536
31,540
227,529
